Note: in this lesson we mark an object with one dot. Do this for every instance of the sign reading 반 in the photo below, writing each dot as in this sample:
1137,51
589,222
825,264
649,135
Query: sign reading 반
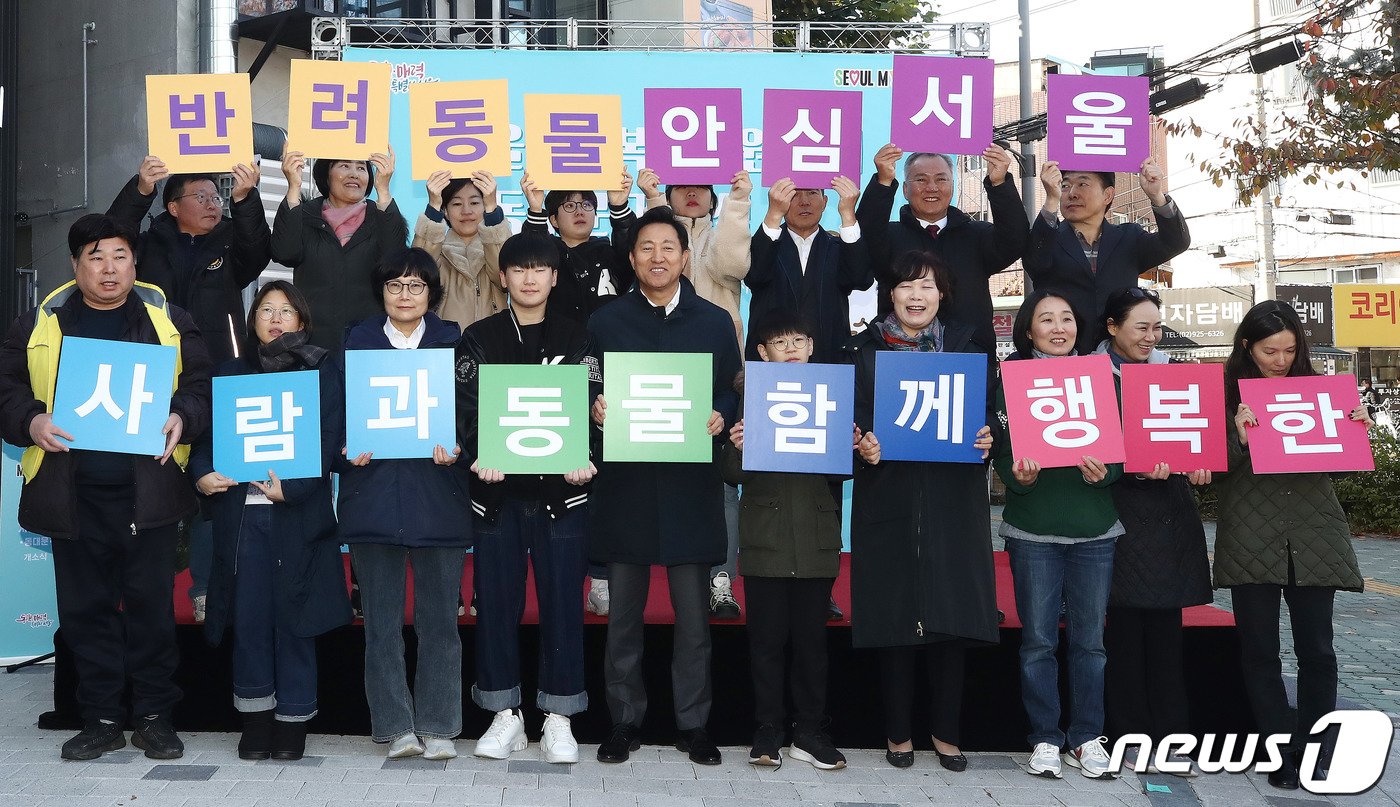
114,396
533,419
930,406
1098,123
659,406
399,403
200,124
459,127
941,104
1174,413
1305,425
695,136
797,417
268,422
1062,409
338,110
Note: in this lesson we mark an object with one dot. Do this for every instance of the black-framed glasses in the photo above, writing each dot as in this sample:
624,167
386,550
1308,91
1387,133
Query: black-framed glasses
574,205
203,198
415,287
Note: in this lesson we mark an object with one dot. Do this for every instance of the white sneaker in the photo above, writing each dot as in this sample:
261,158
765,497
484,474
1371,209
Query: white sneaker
722,602
598,600
405,746
438,748
201,605
1091,760
506,735
1045,761
557,742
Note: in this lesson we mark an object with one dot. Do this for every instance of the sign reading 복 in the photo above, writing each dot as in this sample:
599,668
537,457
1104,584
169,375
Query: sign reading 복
1305,425
399,403
574,141
1062,409
1174,413
659,407
1314,307
811,136
797,417
1098,123
941,104
1366,315
1203,316
696,136
533,418
114,396
460,127
200,124
338,110
930,406
268,421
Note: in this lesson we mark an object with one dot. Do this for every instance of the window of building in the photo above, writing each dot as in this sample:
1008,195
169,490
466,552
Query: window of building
1356,274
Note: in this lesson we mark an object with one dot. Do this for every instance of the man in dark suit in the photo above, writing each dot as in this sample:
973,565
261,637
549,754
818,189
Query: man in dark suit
1086,257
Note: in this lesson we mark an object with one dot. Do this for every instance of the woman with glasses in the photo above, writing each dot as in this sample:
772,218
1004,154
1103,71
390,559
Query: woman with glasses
277,578
922,585
334,241
396,513
463,228
1159,565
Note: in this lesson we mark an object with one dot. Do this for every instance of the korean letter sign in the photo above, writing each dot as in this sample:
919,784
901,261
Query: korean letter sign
574,141
941,105
694,136
338,110
1174,413
1062,409
1366,315
533,418
268,421
797,417
399,403
201,123
114,396
1305,425
459,127
811,136
659,406
1098,123
930,406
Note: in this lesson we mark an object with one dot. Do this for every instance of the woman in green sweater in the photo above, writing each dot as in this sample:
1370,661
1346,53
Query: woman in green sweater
1060,526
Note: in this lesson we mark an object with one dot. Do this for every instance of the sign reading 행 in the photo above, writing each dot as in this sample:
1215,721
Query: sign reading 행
797,417
1062,409
399,403
533,419
1305,426
930,406
268,422
659,406
114,396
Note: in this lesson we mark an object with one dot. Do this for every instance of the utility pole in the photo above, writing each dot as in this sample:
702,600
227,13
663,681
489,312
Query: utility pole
1028,169
1266,267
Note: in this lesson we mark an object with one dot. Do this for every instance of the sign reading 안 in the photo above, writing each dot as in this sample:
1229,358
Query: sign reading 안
200,124
1062,409
1203,316
114,396
459,127
1366,315
695,136
797,417
399,404
1314,307
811,136
1174,413
574,141
338,110
1098,123
533,418
1305,425
659,407
930,406
941,104
268,421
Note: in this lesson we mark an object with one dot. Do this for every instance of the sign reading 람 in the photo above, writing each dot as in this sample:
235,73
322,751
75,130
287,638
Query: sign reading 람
460,127
200,124
1062,409
811,136
1305,425
574,142
268,422
659,407
695,136
930,406
1174,413
1098,123
338,110
114,396
797,417
1366,315
533,418
941,104
399,404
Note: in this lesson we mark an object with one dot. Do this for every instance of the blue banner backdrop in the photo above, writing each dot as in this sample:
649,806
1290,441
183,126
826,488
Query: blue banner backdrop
28,602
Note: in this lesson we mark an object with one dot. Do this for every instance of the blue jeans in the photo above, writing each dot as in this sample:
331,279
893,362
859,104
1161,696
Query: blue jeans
1045,575
558,550
272,668
434,709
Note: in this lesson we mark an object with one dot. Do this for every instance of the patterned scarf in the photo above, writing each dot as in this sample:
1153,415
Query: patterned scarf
929,340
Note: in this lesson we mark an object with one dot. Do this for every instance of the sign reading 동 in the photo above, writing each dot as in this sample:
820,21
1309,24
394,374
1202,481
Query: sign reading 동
533,419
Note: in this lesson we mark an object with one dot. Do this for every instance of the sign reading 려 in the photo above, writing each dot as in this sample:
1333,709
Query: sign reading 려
114,396
930,406
574,141
1305,425
338,110
1062,409
1174,413
694,136
1366,315
797,417
659,407
811,136
200,124
459,127
1098,123
533,418
268,422
941,104
399,404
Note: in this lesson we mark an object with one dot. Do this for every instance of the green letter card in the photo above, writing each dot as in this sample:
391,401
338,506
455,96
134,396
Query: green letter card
533,419
659,405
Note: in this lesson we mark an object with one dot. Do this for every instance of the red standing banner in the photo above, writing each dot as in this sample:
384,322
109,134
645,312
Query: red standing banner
1174,413
1305,425
1062,409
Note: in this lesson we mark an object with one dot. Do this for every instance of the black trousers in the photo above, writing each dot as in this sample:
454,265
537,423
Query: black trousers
788,612
1144,684
944,664
116,590
1257,619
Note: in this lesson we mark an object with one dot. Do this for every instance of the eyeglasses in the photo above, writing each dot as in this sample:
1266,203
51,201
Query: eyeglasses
203,198
574,205
788,342
415,287
267,313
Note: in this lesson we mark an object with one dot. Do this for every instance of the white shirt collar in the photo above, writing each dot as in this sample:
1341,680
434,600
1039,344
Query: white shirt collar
675,301
940,224
401,342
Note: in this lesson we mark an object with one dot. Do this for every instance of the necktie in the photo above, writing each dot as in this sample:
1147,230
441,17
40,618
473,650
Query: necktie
932,230
660,311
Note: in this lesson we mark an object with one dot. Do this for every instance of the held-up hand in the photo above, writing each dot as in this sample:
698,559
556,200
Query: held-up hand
715,424
869,448
151,171
437,183
885,161
1050,180
1199,477
618,196
740,185
1159,472
847,194
1362,415
1026,471
1244,419
46,435
599,410
779,200
383,172
293,164
998,163
649,182
442,457
1092,470
736,435
360,460
214,482
174,427
983,442
488,475
245,178
486,183
272,488
1151,179
582,476
534,194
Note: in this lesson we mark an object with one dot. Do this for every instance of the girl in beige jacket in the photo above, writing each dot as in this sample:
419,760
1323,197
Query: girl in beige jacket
463,228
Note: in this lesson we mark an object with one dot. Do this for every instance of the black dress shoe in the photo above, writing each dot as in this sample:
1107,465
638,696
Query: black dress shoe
698,744
620,743
900,759
833,611
1286,777
288,740
94,740
157,738
256,741
957,763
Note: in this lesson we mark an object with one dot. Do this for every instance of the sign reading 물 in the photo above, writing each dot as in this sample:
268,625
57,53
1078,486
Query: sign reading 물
930,406
533,418
1305,425
941,104
1366,315
1098,123
659,407
1174,413
268,422
811,136
338,110
1062,409
695,136
574,142
114,396
460,127
399,404
200,124
797,417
